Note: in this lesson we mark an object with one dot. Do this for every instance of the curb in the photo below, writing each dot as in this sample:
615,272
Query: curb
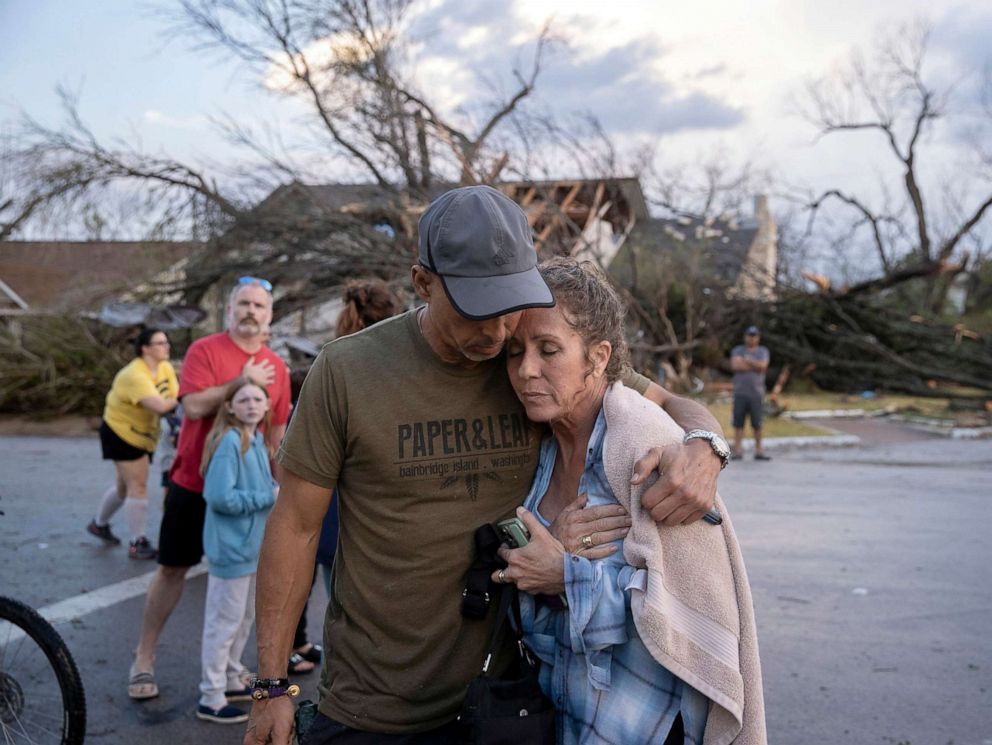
943,427
833,414
799,443
970,433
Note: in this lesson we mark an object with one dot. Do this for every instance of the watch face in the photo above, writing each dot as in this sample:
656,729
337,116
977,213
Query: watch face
720,446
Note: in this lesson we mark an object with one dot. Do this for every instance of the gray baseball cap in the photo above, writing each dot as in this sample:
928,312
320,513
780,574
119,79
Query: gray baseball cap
477,240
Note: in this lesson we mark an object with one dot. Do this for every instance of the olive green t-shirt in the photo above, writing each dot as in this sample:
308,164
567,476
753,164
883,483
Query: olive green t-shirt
422,453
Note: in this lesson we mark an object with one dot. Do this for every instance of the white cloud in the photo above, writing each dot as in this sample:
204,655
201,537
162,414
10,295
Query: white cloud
474,37
195,121
688,66
318,54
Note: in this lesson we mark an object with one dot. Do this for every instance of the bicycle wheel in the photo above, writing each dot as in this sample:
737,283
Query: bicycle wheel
41,693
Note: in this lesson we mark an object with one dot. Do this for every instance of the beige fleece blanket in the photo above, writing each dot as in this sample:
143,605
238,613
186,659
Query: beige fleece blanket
694,612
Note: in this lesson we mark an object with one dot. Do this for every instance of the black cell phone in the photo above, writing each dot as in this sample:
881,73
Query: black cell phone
713,517
513,532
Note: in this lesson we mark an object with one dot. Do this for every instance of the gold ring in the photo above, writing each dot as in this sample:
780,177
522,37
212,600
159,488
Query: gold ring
587,541
501,576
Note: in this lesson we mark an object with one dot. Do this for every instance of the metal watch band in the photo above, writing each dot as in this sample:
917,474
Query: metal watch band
718,445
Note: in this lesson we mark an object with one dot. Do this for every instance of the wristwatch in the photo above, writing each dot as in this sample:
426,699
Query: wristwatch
719,445
263,688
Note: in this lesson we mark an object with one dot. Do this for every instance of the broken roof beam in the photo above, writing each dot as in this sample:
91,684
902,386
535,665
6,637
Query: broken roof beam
594,207
555,220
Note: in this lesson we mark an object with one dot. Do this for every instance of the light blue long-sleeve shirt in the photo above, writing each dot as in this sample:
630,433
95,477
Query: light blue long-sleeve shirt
239,493
604,683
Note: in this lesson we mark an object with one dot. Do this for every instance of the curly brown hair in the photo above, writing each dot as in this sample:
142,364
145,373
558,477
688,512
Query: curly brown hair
590,306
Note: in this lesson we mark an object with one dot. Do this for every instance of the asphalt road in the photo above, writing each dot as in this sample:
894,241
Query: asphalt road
869,566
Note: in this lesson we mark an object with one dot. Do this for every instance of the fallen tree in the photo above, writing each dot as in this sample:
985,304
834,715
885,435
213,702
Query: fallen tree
855,343
52,365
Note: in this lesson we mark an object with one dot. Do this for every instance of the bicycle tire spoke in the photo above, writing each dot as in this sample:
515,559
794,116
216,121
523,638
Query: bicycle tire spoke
41,687
6,734
24,732
18,646
46,732
36,714
56,699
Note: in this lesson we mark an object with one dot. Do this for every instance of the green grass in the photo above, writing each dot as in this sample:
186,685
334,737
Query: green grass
934,408
773,426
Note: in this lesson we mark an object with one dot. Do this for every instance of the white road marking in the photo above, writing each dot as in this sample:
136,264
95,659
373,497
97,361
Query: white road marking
90,602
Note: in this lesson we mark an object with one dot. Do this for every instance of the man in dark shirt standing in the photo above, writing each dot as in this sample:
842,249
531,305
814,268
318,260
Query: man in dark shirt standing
749,361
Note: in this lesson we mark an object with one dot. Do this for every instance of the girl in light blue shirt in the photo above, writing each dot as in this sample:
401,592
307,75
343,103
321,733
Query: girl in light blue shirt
239,493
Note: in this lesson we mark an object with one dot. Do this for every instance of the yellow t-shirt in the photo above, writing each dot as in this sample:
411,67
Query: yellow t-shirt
130,421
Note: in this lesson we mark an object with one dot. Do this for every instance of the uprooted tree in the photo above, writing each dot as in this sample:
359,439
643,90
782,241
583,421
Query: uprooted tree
888,326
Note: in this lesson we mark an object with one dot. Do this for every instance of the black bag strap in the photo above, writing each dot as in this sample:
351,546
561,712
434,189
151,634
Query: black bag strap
478,583
507,598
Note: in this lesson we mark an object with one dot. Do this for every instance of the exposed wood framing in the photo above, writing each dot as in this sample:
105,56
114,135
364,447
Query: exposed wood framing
561,211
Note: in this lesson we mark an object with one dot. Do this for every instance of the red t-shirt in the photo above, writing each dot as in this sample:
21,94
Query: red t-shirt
215,360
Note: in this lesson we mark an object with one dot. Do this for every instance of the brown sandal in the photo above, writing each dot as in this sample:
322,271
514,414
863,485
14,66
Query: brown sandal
142,686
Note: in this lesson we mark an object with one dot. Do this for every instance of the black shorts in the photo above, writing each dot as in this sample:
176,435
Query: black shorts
180,538
114,448
745,404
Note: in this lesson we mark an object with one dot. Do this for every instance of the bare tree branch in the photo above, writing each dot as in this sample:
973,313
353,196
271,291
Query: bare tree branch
870,218
890,95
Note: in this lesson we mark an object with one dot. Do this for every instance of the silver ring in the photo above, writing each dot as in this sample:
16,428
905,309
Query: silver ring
501,576
587,541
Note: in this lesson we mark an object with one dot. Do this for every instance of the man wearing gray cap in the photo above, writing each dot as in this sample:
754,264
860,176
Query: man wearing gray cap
413,420
749,361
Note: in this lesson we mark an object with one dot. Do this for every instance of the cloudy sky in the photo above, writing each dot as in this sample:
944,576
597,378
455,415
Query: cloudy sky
686,77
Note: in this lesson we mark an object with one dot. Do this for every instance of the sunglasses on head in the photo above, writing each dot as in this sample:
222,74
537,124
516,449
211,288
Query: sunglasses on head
263,283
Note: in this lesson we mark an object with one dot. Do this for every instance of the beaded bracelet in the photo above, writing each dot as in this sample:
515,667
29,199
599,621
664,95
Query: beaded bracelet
263,688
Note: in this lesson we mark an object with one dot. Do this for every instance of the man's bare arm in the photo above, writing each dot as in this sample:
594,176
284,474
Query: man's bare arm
688,414
285,571
740,364
686,486
274,438
201,404
275,434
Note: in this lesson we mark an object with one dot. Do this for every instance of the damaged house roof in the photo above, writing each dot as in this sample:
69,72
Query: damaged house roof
78,275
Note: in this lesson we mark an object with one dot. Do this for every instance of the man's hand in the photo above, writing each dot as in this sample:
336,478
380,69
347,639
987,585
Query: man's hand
686,487
270,721
602,525
263,372
538,567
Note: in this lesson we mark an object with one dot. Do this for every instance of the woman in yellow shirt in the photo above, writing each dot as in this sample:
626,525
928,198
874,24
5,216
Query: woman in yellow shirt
142,391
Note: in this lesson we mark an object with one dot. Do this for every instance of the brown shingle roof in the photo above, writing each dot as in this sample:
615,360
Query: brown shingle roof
83,274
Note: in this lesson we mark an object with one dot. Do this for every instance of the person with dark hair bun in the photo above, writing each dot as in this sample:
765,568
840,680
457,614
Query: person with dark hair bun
365,302
143,390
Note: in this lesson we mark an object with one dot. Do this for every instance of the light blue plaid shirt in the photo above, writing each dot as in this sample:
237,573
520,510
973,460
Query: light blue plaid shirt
605,685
